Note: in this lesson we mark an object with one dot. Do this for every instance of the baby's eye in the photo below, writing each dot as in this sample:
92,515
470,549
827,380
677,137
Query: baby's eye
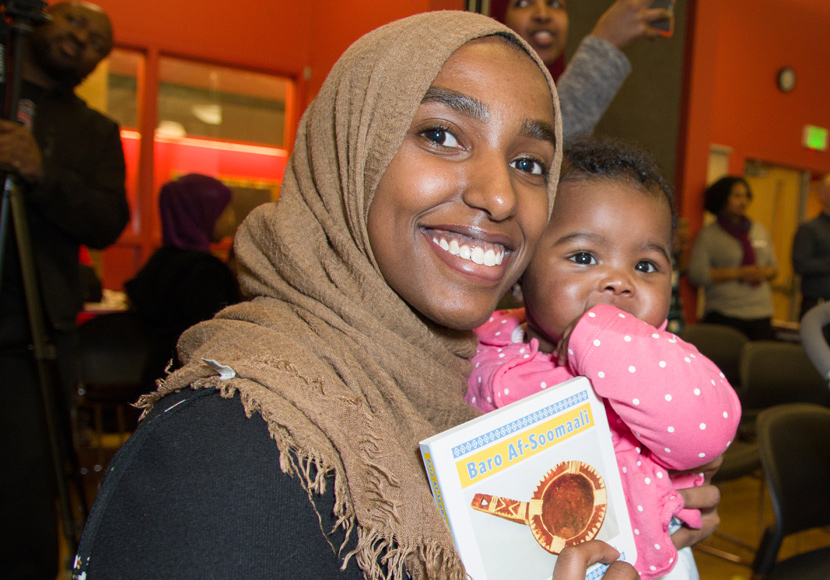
646,266
441,136
529,165
583,258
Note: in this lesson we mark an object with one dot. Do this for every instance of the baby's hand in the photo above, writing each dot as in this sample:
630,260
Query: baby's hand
561,351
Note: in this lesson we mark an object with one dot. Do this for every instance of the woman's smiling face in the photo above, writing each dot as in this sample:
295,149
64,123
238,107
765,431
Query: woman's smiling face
459,209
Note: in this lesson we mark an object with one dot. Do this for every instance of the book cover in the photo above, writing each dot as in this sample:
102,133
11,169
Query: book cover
520,483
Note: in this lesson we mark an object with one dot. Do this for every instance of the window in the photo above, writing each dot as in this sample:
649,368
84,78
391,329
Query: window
215,102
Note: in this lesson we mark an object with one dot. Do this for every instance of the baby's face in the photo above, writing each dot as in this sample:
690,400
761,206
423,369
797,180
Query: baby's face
607,243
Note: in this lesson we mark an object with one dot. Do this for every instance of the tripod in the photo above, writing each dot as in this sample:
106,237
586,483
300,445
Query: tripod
18,18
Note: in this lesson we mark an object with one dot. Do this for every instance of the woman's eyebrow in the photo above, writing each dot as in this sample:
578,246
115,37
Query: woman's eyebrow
459,102
541,130
470,107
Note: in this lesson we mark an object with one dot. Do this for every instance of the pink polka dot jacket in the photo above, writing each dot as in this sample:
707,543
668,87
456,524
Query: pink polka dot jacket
669,407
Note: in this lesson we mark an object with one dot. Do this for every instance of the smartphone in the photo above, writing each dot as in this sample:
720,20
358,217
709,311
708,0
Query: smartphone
665,26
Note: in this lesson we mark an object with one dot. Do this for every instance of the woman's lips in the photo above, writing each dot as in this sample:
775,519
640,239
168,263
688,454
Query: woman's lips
543,37
474,250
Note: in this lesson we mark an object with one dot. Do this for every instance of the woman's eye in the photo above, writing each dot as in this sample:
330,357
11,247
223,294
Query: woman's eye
441,136
583,258
529,165
646,267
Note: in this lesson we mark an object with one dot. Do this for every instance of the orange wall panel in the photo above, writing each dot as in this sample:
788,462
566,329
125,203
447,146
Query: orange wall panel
268,34
338,24
751,114
738,47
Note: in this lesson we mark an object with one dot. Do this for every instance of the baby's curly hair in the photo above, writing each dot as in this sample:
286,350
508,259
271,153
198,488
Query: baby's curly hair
588,158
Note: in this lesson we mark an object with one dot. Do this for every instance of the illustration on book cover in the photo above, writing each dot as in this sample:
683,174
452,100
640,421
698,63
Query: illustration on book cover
518,485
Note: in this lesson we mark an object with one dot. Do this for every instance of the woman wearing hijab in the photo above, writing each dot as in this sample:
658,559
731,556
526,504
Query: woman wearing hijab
598,68
733,260
183,283
287,445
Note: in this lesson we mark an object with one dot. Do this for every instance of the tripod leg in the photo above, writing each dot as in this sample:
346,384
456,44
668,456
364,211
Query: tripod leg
27,485
48,373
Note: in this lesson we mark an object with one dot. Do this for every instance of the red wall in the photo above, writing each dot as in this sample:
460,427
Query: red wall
268,34
733,100
278,35
755,117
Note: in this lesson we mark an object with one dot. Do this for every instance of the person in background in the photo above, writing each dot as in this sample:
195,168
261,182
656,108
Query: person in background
733,261
598,68
183,283
287,445
597,295
811,252
70,166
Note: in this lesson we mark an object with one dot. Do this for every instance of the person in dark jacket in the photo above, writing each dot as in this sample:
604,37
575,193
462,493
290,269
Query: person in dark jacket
69,164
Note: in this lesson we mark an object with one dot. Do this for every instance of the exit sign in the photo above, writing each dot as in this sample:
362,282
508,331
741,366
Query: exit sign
814,138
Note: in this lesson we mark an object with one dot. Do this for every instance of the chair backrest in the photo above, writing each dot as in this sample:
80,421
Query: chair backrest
719,343
114,349
774,373
794,444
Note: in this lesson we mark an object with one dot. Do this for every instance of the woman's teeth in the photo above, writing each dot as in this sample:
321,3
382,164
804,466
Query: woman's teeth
489,257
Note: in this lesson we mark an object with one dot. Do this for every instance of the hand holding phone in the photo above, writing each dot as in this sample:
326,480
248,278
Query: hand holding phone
664,26
626,21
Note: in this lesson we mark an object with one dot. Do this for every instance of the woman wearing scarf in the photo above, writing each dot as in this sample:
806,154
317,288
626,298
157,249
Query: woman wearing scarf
287,445
598,68
183,283
733,260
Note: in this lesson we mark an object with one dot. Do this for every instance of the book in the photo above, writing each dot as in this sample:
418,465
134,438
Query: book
518,484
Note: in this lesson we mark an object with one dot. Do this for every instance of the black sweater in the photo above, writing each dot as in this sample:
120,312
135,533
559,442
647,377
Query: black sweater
197,492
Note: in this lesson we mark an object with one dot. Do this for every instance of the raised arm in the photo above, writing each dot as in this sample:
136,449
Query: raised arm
812,337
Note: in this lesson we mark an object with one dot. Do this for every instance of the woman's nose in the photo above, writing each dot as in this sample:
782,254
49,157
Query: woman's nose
542,12
490,188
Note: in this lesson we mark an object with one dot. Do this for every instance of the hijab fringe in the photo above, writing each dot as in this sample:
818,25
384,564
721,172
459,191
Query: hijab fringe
383,559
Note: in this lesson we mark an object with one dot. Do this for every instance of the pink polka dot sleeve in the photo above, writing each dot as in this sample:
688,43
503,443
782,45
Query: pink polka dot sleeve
676,402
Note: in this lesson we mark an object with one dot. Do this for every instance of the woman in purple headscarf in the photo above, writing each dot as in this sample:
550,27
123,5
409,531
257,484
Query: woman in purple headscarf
183,283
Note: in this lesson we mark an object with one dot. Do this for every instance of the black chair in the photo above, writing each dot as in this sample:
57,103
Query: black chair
794,441
775,373
114,350
721,344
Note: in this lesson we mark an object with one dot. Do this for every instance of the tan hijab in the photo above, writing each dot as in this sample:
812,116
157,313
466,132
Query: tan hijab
348,377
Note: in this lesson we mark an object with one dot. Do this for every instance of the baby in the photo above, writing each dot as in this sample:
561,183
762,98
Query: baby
597,294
